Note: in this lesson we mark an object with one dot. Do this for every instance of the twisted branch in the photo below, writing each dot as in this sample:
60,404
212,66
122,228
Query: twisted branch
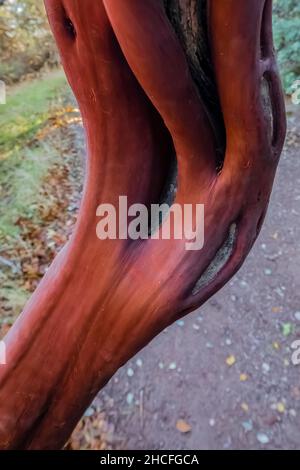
155,80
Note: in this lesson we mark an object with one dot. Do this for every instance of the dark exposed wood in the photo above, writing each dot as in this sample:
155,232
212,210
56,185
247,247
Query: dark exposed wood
189,19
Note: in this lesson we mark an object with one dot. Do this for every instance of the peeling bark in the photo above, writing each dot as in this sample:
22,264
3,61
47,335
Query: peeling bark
154,80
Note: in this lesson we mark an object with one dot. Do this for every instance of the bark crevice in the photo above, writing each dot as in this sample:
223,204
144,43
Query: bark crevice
189,19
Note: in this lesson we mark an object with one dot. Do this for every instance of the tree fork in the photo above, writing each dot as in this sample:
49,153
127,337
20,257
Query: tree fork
154,79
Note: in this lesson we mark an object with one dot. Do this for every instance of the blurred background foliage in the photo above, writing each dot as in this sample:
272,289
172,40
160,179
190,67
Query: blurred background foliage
26,43
287,39
41,174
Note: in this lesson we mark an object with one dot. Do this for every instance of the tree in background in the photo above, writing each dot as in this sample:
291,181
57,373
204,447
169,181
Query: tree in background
287,39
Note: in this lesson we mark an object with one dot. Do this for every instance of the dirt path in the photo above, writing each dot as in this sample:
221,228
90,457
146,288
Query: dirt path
226,370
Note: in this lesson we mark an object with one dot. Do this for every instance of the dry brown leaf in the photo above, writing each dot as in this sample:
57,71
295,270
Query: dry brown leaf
183,427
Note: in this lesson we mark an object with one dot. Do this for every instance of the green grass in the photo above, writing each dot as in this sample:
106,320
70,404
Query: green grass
27,109
24,163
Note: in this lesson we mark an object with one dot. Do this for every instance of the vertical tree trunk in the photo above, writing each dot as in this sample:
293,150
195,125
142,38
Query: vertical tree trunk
155,80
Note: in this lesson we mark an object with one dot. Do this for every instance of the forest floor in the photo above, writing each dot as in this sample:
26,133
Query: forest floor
222,378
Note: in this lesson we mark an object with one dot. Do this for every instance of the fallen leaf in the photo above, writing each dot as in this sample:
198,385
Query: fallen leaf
287,329
245,407
262,438
231,360
183,427
243,377
248,426
280,407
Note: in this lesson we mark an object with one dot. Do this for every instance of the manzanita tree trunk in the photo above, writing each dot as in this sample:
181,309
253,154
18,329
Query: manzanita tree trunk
178,92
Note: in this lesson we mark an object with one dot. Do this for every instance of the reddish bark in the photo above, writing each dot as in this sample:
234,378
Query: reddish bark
143,98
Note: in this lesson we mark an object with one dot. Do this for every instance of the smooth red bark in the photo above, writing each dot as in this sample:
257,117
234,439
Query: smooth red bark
101,301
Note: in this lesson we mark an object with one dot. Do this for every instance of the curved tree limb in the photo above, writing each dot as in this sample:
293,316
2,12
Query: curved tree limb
154,79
